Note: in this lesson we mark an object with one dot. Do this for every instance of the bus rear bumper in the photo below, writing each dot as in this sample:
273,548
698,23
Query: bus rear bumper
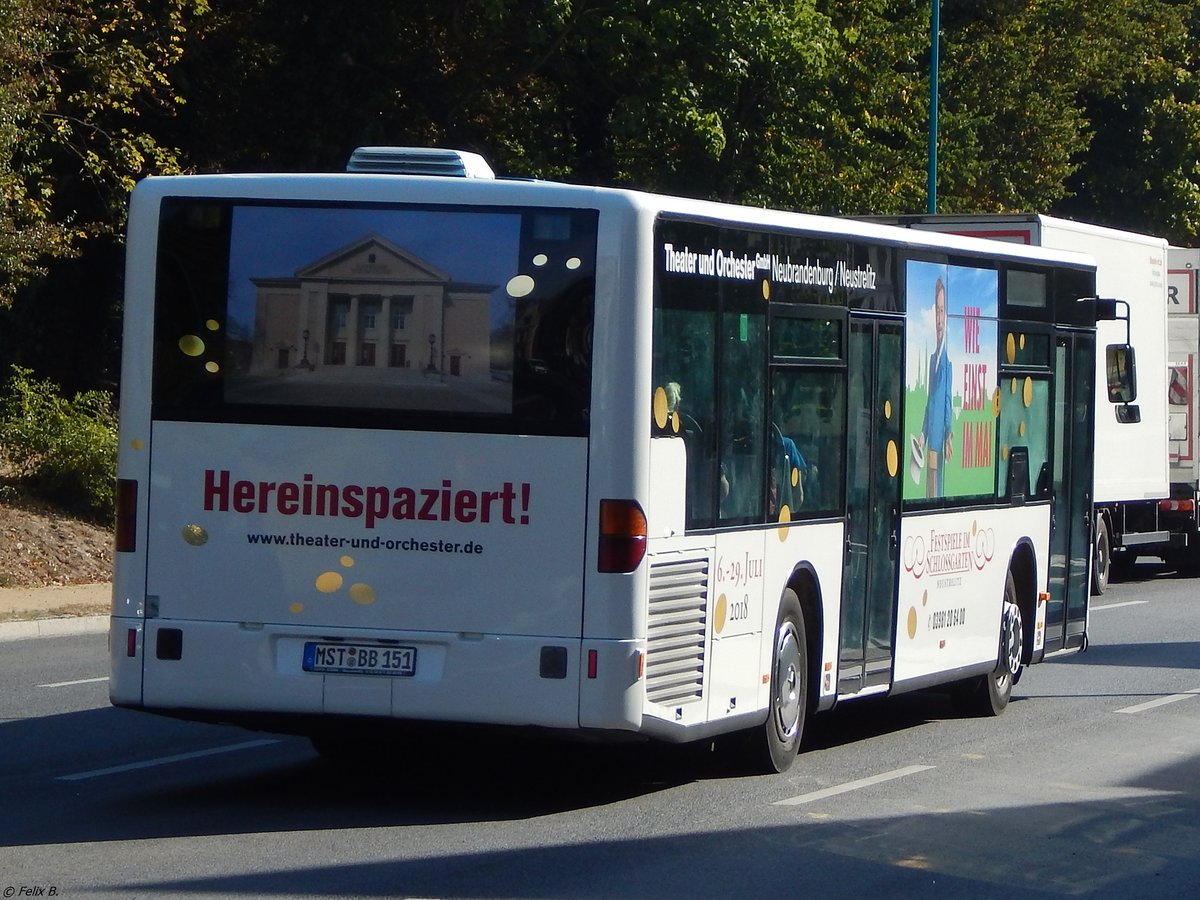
246,669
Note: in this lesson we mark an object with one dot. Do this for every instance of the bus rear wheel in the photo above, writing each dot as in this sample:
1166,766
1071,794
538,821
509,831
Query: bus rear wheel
779,740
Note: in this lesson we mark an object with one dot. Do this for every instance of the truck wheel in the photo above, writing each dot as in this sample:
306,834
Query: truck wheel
779,740
1101,558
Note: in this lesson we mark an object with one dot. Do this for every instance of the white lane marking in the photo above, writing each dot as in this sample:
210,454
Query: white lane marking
1161,701
1124,603
72,683
852,786
166,760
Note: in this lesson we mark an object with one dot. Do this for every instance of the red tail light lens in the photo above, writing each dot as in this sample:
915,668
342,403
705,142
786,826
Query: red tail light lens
126,530
622,535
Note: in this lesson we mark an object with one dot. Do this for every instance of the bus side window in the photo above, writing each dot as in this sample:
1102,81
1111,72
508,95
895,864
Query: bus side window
807,406
684,357
741,401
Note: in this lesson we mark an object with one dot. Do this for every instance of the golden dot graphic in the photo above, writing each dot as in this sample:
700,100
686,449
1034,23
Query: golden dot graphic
297,607
795,476
347,561
893,458
520,286
1028,395
785,517
1022,342
887,409
996,402
574,263
660,407
1004,452
191,345
925,599
212,367
136,444
974,527
675,421
912,622
541,259
328,582
1021,429
719,614
362,594
212,325
1012,388
766,289
1010,348
194,535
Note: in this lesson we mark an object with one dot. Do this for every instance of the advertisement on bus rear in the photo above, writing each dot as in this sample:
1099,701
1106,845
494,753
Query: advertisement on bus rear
376,529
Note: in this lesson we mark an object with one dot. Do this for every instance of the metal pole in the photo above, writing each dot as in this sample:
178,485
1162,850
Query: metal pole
934,40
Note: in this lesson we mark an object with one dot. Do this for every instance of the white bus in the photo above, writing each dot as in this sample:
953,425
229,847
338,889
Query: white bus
425,449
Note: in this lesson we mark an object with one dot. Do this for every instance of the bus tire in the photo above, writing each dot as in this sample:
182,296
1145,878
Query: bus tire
1101,557
779,740
988,695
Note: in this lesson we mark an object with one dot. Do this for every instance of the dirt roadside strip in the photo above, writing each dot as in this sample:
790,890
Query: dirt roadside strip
52,611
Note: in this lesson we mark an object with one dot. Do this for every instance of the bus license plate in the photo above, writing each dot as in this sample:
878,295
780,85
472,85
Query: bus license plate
360,659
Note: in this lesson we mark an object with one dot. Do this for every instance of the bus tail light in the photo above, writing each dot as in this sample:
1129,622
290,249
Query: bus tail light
126,530
1186,506
622,535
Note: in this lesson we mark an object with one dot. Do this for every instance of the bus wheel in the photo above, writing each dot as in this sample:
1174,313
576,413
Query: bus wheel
780,738
989,694
1101,557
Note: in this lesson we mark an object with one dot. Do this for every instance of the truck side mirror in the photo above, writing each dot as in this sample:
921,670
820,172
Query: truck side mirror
1121,373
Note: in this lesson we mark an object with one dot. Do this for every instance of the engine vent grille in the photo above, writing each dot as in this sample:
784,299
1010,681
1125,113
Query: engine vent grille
677,628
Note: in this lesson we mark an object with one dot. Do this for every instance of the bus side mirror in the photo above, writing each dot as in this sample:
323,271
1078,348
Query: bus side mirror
1121,373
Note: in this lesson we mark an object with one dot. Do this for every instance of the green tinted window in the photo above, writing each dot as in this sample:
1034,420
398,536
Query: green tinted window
1024,423
1026,289
1022,348
806,338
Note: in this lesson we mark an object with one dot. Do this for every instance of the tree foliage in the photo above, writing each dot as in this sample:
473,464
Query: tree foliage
1142,171
81,85
27,231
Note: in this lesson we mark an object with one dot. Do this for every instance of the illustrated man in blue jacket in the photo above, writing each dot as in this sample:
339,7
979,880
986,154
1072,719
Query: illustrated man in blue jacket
936,431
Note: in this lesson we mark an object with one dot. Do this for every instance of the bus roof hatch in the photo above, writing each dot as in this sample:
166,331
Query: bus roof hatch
419,161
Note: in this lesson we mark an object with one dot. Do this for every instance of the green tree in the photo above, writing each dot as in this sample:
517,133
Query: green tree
84,86
1142,170
27,233
713,99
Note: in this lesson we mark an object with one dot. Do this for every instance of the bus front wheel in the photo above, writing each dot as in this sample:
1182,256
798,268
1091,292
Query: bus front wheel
780,738
1102,557
989,695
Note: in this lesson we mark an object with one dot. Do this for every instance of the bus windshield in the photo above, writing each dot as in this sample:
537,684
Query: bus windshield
373,315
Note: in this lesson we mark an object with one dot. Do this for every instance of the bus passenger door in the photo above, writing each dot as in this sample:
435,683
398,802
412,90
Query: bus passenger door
1071,516
875,379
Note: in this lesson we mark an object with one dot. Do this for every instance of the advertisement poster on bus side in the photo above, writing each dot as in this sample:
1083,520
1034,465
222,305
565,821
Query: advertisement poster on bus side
950,381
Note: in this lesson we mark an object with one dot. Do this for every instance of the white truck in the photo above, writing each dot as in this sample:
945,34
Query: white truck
1132,493
1183,401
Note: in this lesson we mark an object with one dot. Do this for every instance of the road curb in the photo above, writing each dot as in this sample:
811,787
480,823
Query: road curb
60,627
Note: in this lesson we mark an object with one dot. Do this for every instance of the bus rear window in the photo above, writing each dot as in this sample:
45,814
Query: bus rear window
434,318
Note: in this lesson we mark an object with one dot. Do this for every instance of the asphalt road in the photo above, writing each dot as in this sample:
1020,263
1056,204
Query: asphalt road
1088,785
